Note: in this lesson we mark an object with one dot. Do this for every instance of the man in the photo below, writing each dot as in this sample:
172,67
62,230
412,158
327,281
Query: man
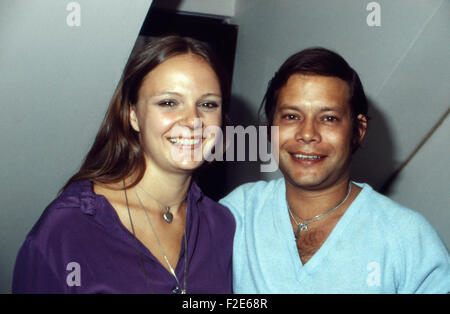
316,231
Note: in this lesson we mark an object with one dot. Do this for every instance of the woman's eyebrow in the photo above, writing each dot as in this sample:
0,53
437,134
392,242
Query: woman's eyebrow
211,94
168,93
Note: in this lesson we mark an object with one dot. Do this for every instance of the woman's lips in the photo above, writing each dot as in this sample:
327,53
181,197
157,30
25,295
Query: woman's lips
186,142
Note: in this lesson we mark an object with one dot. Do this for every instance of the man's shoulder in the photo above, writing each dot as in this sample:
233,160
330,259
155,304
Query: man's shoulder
252,193
251,190
380,204
388,213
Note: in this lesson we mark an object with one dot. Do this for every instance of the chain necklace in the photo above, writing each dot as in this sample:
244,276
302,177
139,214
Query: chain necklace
172,271
303,225
167,215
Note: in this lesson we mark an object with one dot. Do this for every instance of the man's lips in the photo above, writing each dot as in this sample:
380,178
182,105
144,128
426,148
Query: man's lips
307,157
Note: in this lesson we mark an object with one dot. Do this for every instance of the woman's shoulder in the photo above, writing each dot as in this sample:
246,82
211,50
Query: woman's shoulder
79,196
73,206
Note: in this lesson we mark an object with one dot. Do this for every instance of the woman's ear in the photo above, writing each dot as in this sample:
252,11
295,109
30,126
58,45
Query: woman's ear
133,119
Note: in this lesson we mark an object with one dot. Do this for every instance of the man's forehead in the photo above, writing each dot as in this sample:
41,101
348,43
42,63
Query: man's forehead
323,92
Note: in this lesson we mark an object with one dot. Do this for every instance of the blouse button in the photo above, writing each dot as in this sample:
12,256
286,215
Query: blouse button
175,290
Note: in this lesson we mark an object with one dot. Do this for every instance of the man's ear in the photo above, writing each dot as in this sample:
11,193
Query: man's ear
133,119
362,126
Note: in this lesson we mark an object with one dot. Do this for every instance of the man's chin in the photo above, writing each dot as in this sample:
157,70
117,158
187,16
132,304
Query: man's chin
304,181
306,184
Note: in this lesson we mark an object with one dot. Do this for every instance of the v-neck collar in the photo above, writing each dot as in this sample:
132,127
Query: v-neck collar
282,219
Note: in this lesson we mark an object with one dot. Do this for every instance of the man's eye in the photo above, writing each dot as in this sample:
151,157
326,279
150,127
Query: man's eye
290,116
330,119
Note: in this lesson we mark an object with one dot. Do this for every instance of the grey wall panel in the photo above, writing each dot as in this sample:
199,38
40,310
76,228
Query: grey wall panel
55,84
424,182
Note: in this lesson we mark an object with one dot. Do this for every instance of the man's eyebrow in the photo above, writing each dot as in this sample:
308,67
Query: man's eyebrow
288,107
323,109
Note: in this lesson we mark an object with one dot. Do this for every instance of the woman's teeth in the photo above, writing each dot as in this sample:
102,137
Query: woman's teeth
185,141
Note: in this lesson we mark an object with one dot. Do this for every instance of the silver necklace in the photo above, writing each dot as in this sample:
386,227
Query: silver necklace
303,225
172,271
167,215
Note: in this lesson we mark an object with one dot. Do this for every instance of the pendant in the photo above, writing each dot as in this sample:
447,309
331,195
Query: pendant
168,217
301,227
304,226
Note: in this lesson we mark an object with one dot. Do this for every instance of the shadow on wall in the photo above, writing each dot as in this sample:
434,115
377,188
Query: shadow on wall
167,4
221,177
240,172
373,163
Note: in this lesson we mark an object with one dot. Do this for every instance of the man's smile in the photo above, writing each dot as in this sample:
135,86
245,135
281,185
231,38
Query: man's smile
307,158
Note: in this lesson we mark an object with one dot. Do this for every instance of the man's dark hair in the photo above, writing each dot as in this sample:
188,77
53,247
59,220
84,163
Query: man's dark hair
318,61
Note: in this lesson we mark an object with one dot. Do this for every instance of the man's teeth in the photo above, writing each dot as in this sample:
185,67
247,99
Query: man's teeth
185,141
307,157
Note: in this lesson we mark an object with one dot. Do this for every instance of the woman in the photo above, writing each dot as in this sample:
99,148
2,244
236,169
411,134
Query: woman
132,220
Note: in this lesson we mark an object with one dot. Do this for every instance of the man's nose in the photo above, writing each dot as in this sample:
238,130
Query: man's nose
307,131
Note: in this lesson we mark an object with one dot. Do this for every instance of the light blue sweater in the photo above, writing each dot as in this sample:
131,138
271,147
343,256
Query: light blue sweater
377,246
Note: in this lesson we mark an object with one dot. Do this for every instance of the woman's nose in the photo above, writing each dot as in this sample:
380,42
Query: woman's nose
191,118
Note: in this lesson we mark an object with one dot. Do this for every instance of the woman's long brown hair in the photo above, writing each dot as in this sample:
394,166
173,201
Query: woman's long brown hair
116,153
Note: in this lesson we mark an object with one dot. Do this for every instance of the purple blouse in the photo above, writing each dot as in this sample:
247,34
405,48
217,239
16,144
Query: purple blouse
79,245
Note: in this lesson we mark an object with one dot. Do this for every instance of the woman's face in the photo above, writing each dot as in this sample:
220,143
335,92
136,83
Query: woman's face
177,100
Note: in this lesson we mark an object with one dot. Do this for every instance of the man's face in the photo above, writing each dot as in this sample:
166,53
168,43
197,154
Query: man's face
315,131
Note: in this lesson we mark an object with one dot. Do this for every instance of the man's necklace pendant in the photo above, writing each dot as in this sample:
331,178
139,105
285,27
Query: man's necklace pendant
301,227
304,226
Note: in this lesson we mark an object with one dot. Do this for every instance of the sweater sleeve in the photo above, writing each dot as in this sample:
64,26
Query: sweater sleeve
33,273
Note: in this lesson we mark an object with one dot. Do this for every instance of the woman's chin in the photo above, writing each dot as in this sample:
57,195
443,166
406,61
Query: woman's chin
188,163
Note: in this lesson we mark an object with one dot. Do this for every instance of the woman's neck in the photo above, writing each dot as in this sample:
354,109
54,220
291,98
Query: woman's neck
168,189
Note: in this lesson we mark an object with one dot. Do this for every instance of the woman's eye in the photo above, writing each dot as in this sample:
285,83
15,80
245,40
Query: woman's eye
166,103
209,105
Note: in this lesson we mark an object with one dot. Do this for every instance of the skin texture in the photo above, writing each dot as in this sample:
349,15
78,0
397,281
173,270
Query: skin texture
315,131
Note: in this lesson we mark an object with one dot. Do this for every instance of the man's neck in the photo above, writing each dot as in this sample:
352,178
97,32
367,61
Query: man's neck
307,202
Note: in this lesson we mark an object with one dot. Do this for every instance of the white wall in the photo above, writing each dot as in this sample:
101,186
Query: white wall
55,84
424,182
403,64
224,8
